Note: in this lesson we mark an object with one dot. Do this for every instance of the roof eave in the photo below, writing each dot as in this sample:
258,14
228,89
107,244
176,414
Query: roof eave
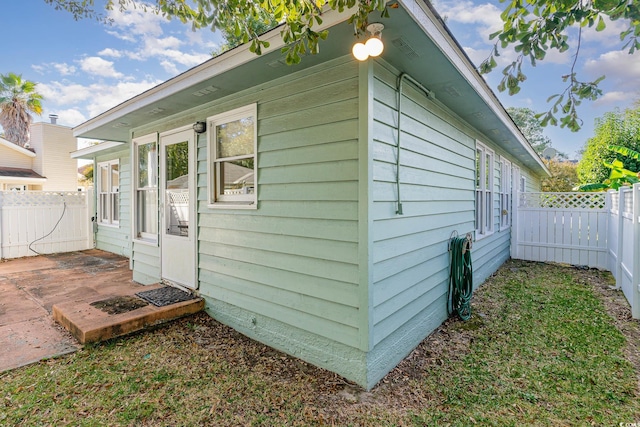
88,153
431,23
17,148
207,70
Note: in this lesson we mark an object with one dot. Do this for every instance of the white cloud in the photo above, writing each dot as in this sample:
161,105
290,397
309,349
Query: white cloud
139,20
68,117
617,65
38,68
64,93
169,67
64,69
622,83
91,100
144,30
100,67
113,53
476,55
616,98
486,16
169,51
105,97
609,37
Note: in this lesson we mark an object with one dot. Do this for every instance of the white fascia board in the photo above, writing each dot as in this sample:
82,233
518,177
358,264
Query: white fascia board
22,180
90,152
430,24
17,148
222,63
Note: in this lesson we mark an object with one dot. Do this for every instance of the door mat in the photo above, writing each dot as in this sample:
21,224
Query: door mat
161,297
117,305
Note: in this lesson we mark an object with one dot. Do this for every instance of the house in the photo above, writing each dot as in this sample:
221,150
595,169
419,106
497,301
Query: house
44,165
310,220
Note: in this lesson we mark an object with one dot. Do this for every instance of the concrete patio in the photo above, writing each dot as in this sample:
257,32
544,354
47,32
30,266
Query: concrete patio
70,287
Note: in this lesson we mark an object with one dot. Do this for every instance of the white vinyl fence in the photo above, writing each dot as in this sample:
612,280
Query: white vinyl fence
598,230
624,243
568,228
44,222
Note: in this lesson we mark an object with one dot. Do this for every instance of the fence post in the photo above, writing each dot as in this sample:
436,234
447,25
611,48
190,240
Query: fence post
88,205
635,303
514,226
618,272
1,204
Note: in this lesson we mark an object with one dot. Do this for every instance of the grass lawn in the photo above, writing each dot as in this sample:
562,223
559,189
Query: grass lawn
546,345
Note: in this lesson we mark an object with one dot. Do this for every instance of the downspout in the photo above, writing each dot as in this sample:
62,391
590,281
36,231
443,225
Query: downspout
430,95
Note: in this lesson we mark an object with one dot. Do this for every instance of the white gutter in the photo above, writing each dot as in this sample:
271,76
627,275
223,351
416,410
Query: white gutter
207,70
429,21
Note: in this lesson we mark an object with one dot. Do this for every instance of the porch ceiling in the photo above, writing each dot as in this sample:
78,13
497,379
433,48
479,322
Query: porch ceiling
436,61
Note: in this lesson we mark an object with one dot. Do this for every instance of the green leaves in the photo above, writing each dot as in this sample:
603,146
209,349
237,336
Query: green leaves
621,128
533,27
238,18
627,152
592,187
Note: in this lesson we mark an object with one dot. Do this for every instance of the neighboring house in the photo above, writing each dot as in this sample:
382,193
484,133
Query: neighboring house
44,165
287,213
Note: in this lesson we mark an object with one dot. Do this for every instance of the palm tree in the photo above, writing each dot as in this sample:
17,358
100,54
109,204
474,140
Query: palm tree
18,99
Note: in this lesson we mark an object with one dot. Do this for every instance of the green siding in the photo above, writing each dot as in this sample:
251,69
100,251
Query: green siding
436,174
116,239
410,251
288,272
146,263
324,268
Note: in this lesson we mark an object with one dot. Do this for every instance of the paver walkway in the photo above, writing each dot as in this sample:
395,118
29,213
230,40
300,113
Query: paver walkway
29,287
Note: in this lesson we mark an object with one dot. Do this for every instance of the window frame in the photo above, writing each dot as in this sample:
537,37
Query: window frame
110,194
506,192
216,198
142,236
484,191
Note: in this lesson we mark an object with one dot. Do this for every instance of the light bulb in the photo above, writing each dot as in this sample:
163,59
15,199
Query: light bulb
374,46
360,51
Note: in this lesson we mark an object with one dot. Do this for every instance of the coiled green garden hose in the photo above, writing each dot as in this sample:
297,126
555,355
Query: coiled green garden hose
460,276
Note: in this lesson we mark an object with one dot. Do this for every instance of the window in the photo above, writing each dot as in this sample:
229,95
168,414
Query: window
109,192
506,188
232,155
146,188
485,170
15,187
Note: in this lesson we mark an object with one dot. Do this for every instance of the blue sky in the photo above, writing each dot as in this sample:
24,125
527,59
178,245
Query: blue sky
85,67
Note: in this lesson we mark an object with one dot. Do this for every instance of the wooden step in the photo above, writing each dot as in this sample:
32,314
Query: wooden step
103,317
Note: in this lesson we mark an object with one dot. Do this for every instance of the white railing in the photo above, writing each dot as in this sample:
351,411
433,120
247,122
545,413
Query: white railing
44,222
599,230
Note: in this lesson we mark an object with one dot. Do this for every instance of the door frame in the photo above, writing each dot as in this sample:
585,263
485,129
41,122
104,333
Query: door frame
193,201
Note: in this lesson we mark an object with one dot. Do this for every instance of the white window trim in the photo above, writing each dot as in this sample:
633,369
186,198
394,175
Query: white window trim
239,201
110,221
483,229
515,197
145,238
506,192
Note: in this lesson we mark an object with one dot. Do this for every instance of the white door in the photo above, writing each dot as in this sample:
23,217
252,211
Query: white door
177,207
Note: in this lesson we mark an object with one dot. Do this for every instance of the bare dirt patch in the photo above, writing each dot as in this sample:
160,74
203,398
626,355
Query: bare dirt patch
118,305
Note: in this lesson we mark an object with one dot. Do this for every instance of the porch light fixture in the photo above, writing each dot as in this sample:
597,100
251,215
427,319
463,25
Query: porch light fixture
373,47
200,127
